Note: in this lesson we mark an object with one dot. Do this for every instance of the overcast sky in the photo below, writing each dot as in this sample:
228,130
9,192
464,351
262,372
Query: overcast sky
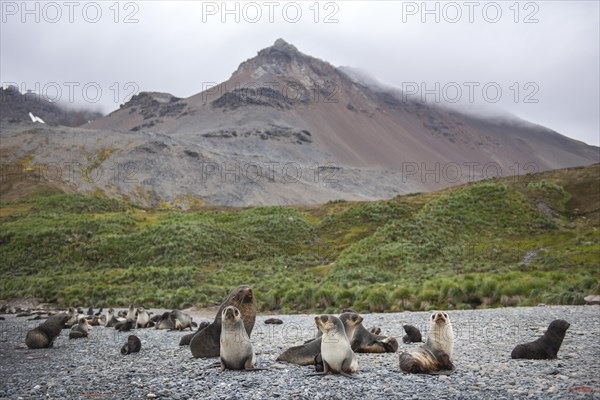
543,56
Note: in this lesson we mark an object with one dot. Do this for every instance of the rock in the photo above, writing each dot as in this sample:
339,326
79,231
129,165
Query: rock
592,299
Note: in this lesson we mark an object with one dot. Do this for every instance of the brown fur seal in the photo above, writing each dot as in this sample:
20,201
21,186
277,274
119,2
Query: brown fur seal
309,352
80,330
165,321
336,352
98,320
44,334
236,350
130,321
130,313
181,320
413,334
186,339
434,357
546,347
133,345
73,318
111,319
371,340
365,341
125,326
143,319
273,321
205,343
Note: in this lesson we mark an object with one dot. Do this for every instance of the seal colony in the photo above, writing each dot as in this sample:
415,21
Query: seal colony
333,350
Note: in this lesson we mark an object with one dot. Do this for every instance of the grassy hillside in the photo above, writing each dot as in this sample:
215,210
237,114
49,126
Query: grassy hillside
513,241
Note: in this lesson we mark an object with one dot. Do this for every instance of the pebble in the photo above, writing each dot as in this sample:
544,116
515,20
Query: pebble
163,369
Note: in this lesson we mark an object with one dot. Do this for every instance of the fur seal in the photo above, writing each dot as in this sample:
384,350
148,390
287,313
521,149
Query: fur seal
370,340
165,321
546,347
433,357
133,345
364,341
143,319
80,330
125,326
181,320
98,320
130,313
111,319
308,353
413,334
273,321
44,334
130,321
336,352
205,342
186,339
73,318
236,350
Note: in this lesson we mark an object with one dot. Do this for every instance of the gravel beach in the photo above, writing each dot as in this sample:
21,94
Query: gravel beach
94,367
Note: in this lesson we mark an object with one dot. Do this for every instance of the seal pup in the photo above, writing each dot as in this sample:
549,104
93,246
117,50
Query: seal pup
205,342
165,321
364,341
186,339
111,319
133,345
309,353
125,326
413,334
181,320
80,330
370,340
143,319
98,320
336,352
130,321
73,318
44,334
546,347
433,357
130,313
236,350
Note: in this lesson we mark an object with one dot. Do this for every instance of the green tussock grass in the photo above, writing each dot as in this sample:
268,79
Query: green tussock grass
504,242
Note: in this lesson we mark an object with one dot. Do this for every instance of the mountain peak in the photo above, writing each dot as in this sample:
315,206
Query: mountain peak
284,61
281,44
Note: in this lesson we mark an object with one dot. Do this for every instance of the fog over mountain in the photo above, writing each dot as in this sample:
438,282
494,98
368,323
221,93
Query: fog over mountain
543,56
288,128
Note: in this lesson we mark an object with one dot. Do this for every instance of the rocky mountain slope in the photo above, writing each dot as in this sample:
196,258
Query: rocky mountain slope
288,128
